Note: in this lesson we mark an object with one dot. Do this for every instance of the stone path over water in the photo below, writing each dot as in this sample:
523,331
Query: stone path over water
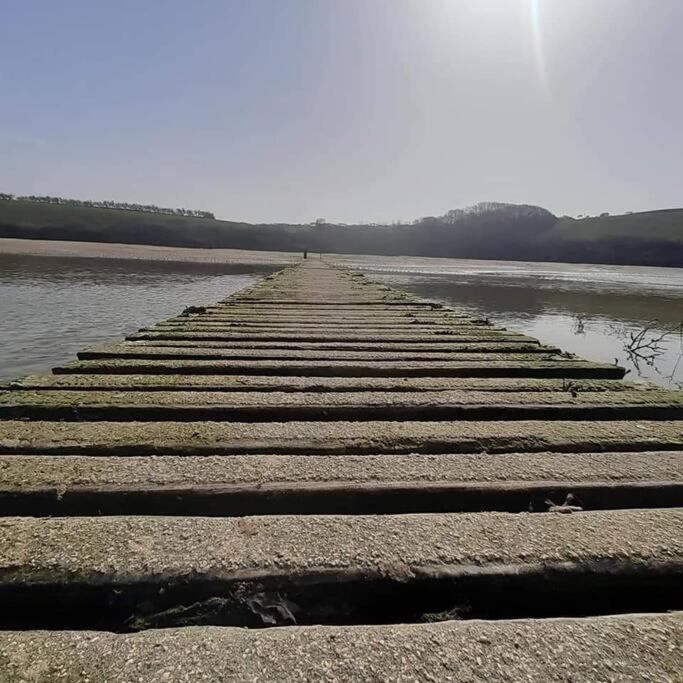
397,490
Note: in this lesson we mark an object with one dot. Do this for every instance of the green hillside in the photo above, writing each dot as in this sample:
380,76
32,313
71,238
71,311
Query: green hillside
58,221
664,225
38,220
485,231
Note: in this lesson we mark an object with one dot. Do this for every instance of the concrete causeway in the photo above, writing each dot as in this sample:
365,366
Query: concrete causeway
323,478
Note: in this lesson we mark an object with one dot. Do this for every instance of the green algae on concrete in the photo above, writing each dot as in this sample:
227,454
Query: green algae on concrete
320,384
277,406
502,367
199,438
522,352
369,400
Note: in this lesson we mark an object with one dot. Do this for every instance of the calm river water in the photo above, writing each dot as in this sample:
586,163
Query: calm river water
52,307
589,310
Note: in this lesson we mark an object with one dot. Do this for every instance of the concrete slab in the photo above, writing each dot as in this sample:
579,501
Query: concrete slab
40,472
93,382
317,336
163,549
227,438
507,351
615,648
148,530
477,344
280,406
503,367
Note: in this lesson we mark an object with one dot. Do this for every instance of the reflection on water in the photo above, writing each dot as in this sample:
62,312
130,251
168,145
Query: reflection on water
50,308
592,311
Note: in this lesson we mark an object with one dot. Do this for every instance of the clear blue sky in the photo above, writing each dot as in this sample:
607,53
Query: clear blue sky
289,110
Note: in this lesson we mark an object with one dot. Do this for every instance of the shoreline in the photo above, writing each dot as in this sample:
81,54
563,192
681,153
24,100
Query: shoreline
16,246
11,246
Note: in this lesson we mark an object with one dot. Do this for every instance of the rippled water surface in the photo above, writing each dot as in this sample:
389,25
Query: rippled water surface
50,308
589,310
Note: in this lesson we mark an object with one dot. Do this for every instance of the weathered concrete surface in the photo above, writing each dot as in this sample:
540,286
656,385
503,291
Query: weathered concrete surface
396,399
284,314
267,338
322,384
368,320
522,352
277,406
503,367
414,327
63,473
286,485
441,347
209,438
327,316
307,320
620,648
349,304
324,339
410,335
125,549
312,307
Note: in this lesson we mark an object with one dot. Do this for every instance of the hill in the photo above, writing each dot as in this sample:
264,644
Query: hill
485,231
646,238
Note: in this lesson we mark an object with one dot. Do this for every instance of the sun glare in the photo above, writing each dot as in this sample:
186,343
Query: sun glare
536,36
493,17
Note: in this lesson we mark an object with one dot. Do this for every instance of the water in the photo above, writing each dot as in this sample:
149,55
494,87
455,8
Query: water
589,310
52,307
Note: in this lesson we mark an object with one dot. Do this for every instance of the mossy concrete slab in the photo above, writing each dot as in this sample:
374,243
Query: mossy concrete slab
279,406
478,344
317,336
504,367
523,352
366,400
209,438
92,382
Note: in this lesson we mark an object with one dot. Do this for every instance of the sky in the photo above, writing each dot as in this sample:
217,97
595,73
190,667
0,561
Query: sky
347,110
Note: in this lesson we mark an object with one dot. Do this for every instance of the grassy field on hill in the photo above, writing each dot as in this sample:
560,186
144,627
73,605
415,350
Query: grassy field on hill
664,225
494,231
57,221
40,215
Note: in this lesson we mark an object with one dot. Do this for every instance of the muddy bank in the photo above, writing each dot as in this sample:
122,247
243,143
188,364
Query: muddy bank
23,247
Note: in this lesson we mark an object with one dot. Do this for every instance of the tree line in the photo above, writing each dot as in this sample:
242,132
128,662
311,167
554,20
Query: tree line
107,204
489,230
